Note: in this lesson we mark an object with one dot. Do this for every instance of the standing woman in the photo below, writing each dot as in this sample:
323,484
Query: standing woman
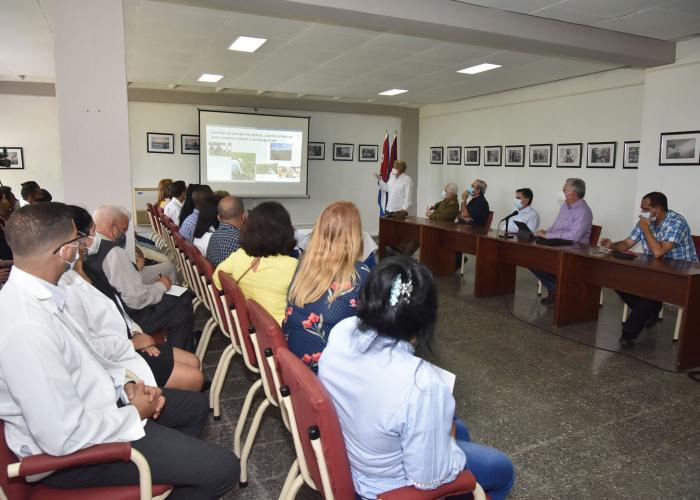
163,192
325,288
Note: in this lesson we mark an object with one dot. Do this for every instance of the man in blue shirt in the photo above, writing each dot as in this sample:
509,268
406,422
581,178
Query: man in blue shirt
663,234
199,196
224,241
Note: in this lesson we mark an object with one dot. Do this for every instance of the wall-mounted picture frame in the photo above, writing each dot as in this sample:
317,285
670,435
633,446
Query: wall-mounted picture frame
159,142
454,155
436,155
492,156
16,156
368,152
471,155
189,144
342,151
569,155
540,155
316,151
515,156
601,154
680,148
630,154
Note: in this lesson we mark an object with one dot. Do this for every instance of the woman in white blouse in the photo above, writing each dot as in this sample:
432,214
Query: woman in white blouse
396,413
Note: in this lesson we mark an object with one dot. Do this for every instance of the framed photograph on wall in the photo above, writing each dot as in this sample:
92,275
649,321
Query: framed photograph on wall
680,148
569,155
601,154
189,144
316,151
368,152
157,142
540,155
436,155
454,155
630,155
342,151
471,155
515,156
492,156
16,156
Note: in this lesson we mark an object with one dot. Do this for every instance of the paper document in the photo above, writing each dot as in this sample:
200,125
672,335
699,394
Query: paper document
176,290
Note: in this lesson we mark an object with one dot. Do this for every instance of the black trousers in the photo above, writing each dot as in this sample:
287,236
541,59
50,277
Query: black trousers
641,311
174,314
196,469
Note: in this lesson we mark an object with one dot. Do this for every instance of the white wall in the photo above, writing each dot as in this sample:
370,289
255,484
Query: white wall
328,180
672,104
31,122
601,107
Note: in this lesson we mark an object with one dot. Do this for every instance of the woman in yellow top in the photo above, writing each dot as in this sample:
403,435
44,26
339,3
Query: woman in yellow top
262,266
163,194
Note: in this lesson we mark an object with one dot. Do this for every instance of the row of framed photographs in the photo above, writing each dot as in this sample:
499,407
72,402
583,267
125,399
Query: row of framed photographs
343,151
599,155
159,142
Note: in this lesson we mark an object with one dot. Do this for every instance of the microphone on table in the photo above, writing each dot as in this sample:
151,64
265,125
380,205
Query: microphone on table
506,218
515,212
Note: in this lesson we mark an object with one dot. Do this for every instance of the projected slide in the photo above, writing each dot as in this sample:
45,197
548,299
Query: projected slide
253,155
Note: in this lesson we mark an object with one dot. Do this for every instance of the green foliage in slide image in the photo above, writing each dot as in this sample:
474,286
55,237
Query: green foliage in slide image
242,166
266,169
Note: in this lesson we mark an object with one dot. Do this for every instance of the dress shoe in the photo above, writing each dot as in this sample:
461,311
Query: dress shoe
549,299
626,339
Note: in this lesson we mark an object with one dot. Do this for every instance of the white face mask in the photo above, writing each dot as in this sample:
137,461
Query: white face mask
92,249
647,215
443,194
71,263
518,204
561,197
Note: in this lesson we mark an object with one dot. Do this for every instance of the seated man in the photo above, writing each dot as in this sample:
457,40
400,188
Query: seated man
526,214
199,198
663,234
224,241
447,208
573,223
476,212
58,399
111,271
178,192
32,193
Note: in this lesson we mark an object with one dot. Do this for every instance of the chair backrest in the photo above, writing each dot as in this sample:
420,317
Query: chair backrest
270,338
595,235
316,419
489,220
235,300
206,270
696,240
15,488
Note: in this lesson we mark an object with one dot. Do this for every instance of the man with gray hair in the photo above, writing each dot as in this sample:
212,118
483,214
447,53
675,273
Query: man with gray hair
474,212
573,223
224,241
447,208
112,272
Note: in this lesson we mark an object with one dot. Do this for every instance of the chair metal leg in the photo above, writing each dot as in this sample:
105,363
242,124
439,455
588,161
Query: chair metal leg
478,493
601,297
204,339
464,261
677,329
247,403
625,312
291,476
217,384
295,487
539,287
252,432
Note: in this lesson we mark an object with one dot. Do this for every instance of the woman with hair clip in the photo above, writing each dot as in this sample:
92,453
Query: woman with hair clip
325,287
396,413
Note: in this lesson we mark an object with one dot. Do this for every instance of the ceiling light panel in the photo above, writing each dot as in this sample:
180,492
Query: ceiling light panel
247,44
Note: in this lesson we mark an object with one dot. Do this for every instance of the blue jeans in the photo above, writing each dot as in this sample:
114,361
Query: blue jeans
549,281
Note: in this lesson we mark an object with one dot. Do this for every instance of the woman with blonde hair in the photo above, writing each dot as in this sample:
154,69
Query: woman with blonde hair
327,282
163,192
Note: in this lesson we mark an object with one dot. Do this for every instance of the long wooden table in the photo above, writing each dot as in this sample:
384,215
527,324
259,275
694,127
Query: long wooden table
581,271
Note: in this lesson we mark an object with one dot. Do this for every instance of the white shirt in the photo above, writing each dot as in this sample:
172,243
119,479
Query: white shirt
203,243
399,189
172,210
529,216
395,412
105,327
55,397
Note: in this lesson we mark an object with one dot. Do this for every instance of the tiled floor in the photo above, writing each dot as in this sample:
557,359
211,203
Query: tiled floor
578,422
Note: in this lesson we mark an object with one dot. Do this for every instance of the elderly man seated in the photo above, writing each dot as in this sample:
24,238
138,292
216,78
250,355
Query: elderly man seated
447,208
112,272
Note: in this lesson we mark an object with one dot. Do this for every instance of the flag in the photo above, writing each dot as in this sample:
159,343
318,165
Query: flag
384,171
393,155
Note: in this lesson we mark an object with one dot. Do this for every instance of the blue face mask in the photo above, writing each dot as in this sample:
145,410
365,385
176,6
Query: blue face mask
121,241
470,191
518,204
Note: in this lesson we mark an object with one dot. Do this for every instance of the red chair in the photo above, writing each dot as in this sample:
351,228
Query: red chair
489,220
322,459
16,488
595,235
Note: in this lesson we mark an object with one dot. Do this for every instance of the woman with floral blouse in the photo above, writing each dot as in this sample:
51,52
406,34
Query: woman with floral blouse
327,282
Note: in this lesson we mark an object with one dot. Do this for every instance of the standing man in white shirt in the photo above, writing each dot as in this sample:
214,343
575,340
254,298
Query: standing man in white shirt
178,193
526,214
56,398
399,188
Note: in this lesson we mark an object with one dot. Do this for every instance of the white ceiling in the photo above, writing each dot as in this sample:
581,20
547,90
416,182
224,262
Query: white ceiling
171,44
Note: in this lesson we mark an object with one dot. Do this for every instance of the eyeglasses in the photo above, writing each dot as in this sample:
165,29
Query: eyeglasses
74,240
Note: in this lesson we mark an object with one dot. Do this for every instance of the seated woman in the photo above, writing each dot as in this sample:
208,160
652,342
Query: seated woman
396,413
113,335
163,192
207,223
262,266
326,285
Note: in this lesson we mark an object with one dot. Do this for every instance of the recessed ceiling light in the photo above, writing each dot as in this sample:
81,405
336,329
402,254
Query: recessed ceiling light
479,68
206,77
393,92
247,44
